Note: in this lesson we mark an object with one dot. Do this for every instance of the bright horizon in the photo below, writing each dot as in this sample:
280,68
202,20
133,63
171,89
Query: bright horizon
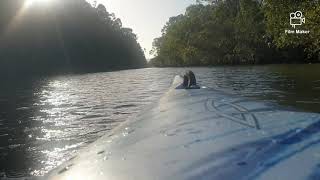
145,17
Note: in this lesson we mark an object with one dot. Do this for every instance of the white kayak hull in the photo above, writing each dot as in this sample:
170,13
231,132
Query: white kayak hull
203,134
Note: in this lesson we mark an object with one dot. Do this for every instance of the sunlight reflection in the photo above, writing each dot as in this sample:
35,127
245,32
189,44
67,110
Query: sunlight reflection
55,105
50,134
72,112
55,157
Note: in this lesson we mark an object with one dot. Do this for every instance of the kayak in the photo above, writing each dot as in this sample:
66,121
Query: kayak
203,133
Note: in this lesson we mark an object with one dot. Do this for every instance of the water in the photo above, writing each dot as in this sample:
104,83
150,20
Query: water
46,121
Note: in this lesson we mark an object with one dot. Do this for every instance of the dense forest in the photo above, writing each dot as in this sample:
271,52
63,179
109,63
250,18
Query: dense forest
57,36
215,32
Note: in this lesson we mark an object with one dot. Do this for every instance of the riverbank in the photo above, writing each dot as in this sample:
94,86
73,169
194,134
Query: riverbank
152,65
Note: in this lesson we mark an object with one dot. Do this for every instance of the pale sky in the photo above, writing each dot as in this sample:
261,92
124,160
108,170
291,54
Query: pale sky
145,17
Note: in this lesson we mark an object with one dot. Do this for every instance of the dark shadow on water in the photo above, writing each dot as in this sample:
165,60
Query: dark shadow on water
17,98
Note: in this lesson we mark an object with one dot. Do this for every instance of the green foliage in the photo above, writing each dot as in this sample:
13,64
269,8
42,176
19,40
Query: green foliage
233,32
64,36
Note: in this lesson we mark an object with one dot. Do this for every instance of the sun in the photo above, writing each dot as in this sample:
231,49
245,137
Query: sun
29,3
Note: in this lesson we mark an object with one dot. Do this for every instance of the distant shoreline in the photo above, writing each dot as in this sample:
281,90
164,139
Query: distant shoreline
235,65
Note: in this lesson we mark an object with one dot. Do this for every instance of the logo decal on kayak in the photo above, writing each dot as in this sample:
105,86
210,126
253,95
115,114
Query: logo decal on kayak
234,112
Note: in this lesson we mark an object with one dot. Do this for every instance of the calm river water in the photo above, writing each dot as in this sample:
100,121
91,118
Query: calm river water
46,121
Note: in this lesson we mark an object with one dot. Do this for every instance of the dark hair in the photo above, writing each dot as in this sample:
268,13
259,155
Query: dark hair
185,80
192,79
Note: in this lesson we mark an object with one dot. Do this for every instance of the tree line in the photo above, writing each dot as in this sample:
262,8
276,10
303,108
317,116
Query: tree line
63,36
213,32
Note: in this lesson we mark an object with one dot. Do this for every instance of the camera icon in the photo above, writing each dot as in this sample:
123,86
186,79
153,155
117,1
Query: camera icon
297,19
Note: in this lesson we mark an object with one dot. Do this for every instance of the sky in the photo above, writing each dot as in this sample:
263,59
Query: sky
145,17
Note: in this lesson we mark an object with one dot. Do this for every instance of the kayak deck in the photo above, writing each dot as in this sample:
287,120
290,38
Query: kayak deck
203,134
